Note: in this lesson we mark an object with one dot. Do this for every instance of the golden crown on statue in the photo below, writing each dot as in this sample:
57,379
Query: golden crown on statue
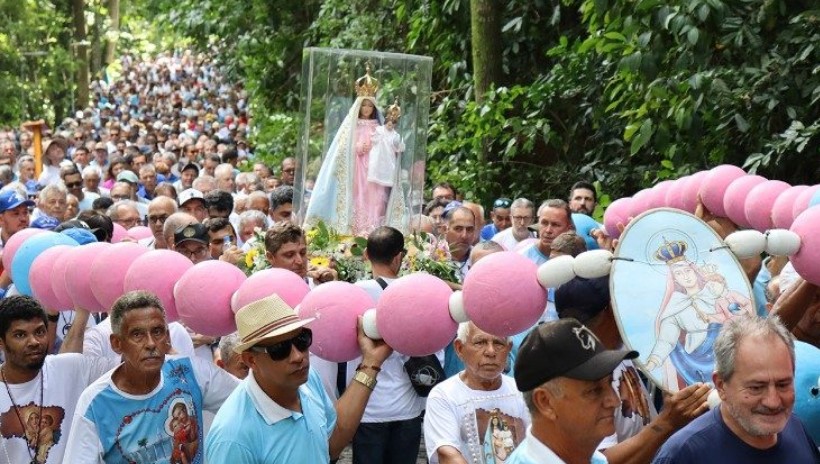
393,112
367,85
672,252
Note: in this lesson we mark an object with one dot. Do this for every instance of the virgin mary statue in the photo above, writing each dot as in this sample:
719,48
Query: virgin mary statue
356,190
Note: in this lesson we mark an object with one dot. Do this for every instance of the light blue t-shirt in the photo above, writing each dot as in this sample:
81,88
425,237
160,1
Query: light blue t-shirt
534,254
251,428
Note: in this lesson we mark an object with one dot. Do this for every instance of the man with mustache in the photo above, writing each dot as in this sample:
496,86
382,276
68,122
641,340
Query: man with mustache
754,376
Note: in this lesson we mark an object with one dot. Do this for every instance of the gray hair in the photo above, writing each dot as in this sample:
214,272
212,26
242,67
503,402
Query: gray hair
6,174
553,386
252,215
464,331
226,346
146,168
21,160
223,169
738,328
137,299
50,189
522,203
209,181
90,170
114,210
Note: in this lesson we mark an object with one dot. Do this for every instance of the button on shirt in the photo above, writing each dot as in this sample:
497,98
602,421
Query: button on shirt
532,451
250,427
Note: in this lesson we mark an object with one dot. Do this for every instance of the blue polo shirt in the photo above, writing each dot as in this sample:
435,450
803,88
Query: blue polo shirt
251,428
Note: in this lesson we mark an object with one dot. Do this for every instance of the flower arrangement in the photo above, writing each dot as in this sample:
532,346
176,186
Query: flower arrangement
344,253
430,254
254,260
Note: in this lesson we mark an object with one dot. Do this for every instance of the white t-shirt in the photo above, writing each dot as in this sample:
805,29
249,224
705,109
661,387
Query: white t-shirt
474,421
635,411
393,399
506,239
64,378
97,340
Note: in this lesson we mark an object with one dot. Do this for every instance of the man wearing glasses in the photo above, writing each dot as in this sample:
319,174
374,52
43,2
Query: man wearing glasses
124,415
159,209
280,413
192,242
73,181
521,213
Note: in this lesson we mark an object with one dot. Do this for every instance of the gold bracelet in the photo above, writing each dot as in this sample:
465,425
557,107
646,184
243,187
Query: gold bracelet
365,380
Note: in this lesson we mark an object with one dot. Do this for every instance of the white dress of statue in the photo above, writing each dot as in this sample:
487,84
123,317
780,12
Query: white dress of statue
357,189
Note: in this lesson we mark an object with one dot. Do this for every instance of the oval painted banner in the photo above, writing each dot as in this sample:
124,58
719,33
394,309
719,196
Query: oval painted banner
673,284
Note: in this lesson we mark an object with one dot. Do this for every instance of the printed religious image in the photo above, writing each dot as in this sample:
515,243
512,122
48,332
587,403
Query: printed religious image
690,285
41,427
500,434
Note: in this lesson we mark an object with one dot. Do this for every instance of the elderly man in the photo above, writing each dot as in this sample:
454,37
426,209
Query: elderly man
224,176
159,210
283,397
554,218
187,175
148,181
288,171
639,430
565,373
467,413
52,202
124,213
204,184
522,212
229,359
259,201
754,376
91,182
582,198
127,190
147,392
460,235
248,222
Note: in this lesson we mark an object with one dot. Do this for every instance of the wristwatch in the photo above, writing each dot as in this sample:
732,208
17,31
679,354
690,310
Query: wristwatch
365,380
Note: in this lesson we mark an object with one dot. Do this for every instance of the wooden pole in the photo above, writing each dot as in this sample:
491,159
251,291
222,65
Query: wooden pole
36,128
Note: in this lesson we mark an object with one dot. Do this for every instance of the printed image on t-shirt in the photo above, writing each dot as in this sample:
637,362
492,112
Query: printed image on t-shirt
633,401
41,427
500,434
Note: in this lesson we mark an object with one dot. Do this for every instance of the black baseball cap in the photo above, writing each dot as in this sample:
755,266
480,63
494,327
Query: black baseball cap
564,348
193,232
582,298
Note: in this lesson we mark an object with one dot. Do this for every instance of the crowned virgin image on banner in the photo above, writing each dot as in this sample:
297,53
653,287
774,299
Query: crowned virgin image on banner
690,284
369,170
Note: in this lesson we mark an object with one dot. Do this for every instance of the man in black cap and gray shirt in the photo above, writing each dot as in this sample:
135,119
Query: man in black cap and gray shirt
565,373
639,429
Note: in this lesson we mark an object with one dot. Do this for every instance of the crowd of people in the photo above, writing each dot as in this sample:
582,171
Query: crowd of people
160,148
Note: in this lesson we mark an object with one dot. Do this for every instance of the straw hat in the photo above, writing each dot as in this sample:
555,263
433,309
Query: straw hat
263,319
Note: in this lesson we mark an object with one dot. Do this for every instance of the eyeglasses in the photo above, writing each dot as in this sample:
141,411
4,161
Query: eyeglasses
191,254
120,197
522,218
503,203
281,350
160,219
74,185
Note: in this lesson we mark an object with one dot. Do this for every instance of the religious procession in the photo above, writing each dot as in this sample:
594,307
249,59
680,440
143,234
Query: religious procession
370,251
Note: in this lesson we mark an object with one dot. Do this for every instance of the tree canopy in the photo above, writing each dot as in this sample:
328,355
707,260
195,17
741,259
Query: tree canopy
623,93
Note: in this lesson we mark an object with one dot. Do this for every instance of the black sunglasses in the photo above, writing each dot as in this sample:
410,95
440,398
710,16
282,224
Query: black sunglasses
281,350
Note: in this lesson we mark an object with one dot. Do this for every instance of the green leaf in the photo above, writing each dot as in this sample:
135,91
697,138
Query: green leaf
742,125
615,36
692,36
644,134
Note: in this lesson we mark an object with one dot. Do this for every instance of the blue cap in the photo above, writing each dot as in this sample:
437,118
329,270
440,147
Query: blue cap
81,236
45,222
11,198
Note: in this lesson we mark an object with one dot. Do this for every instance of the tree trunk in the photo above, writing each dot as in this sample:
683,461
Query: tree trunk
485,25
80,52
114,19
486,40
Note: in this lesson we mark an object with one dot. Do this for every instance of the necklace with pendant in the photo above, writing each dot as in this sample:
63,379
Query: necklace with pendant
17,412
